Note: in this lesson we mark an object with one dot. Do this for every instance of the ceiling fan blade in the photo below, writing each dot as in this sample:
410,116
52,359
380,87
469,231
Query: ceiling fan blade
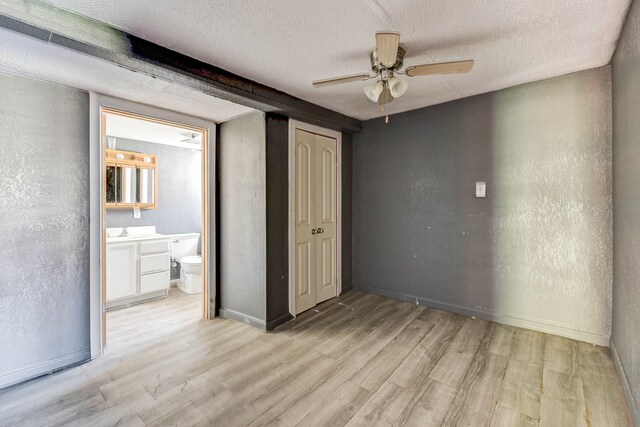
340,80
456,67
387,47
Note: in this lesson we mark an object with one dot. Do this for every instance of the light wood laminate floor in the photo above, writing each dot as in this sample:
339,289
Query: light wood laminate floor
358,360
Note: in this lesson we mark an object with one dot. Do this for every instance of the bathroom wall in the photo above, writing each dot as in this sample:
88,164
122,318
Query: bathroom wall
536,252
179,190
44,206
243,219
625,341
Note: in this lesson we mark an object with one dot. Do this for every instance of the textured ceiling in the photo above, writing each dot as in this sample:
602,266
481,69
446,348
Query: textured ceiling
287,44
143,130
29,57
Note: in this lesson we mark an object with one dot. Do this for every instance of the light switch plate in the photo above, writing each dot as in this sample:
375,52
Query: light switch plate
481,189
136,213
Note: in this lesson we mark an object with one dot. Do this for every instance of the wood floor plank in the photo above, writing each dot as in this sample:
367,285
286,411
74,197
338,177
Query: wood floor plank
319,387
452,366
360,360
562,402
476,399
327,308
383,408
415,369
432,399
257,397
604,399
357,331
428,406
230,351
154,376
519,399
380,367
339,407
192,411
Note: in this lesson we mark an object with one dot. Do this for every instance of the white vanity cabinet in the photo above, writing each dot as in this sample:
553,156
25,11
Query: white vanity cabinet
122,270
137,269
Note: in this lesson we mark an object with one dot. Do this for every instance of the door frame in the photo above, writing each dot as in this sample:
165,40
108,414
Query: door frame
293,126
99,104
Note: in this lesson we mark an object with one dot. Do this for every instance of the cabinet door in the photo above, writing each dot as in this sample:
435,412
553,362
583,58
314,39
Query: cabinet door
122,270
146,179
128,185
111,172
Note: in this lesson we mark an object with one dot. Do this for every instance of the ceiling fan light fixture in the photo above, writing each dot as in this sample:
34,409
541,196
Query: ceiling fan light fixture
397,87
387,59
374,90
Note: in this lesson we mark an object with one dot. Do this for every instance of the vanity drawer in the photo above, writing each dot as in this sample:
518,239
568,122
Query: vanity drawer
154,246
155,282
153,263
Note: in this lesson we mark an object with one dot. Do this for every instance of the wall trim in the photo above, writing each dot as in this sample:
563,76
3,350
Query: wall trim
96,220
624,379
244,318
544,326
40,369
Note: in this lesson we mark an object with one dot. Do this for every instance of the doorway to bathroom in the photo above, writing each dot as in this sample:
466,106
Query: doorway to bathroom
155,224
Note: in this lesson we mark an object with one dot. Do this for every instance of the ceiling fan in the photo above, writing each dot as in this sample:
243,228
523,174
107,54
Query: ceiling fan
386,62
191,137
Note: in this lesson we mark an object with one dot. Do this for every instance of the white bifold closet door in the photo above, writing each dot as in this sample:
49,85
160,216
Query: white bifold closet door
315,219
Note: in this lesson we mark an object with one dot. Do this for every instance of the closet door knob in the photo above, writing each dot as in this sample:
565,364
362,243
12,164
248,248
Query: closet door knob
320,230
313,231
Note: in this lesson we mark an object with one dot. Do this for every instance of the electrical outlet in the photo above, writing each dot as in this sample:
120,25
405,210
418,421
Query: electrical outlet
481,189
136,213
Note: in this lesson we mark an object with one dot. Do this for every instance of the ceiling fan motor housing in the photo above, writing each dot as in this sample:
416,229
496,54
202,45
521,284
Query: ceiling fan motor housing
377,67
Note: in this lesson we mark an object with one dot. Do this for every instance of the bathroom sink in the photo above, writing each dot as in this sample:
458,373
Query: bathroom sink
135,237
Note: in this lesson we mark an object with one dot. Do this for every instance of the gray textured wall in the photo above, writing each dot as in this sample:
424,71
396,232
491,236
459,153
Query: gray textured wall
243,219
277,204
44,206
179,190
626,202
535,252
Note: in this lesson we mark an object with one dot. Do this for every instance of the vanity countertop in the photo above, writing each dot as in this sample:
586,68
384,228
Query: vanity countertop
134,237
133,234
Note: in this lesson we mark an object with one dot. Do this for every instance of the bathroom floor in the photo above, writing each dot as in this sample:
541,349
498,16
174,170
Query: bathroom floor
148,321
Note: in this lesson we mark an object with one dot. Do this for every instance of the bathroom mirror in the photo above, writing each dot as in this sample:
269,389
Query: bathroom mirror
131,180
146,186
112,185
128,184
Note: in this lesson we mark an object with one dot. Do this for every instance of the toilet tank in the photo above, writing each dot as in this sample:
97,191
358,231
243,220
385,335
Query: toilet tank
184,245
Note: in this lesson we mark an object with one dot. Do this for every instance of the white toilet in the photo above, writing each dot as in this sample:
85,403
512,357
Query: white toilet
184,249
190,274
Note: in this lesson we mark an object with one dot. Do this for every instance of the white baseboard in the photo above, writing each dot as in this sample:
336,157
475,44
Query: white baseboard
520,322
624,379
244,318
40,369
